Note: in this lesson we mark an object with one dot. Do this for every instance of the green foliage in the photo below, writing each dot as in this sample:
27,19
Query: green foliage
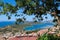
9,17
31,7
43,37
48,37
19,20
49,4
7,8
1,3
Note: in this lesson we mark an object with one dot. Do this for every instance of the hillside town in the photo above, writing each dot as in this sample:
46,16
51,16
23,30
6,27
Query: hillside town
30,36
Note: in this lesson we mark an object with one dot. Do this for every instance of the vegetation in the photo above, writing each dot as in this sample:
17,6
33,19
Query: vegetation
49,37
30,6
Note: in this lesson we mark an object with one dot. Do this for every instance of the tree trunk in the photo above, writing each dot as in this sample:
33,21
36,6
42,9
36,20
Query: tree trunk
59,21
58,15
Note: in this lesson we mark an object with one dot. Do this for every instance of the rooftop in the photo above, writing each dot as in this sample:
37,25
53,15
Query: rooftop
24,38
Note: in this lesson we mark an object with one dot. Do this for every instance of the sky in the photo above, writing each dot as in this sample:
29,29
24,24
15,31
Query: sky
20,11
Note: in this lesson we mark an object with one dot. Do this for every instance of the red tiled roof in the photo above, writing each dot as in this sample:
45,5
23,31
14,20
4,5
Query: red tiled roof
14,39
42,31
24,38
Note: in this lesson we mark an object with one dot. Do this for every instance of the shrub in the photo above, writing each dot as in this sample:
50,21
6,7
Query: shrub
49,37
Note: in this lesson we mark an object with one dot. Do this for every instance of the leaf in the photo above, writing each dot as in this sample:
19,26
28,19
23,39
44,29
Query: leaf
9,17
1,3
33,4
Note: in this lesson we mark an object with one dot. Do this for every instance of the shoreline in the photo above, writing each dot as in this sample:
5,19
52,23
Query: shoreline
52,30
20,27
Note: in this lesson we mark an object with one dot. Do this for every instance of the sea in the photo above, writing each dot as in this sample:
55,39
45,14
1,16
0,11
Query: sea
6,23
28,28
39,26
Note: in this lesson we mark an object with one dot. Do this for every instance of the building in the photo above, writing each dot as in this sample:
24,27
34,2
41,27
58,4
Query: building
24,38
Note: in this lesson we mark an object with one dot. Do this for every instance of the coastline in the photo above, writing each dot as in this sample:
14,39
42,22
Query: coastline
52,31
17,31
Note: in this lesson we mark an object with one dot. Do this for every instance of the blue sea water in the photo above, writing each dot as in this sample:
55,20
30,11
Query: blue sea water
39,26
6,23
28,28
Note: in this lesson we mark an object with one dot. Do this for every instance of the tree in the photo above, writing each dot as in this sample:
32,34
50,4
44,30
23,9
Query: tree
31,7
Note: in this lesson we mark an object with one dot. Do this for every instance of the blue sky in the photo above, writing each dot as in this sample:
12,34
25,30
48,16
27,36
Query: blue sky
12,2
28,18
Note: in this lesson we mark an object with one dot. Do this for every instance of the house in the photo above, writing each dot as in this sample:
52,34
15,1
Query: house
24,38
2,38
43,31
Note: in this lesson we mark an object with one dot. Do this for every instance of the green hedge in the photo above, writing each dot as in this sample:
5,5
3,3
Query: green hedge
48,37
